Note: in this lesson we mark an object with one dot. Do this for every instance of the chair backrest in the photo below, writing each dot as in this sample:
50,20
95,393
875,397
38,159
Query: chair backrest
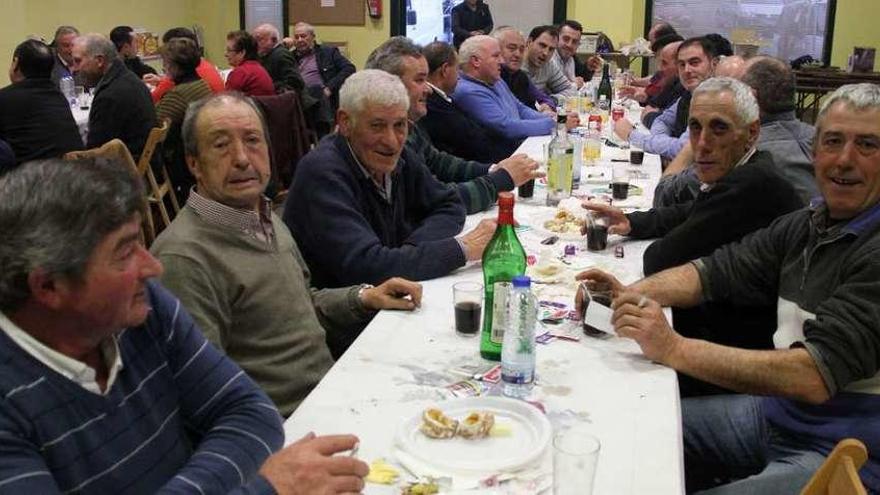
157,193
288,133
116,150
839,474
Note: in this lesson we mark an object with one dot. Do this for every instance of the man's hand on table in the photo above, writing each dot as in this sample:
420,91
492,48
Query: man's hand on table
546,110
594,278
642,319
475,241
623,128
521,168
394,293
308,466
617,221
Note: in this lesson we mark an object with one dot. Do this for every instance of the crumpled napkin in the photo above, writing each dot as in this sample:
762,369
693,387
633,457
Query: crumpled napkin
640,46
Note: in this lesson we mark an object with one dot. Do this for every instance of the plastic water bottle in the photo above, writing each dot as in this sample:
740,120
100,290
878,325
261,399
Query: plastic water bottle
67,88
518,350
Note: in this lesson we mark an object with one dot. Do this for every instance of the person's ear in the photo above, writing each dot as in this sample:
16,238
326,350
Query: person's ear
46,289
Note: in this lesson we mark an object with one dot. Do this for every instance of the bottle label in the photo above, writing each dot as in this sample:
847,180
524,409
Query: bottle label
500,311
517,377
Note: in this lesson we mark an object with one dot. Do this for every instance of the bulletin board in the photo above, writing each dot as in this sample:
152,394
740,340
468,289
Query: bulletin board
328,12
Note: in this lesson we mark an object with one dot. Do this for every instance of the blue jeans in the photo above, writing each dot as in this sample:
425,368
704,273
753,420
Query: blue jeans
730,448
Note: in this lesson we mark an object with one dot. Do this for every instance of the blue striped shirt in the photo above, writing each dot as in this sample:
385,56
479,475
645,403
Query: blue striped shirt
180,418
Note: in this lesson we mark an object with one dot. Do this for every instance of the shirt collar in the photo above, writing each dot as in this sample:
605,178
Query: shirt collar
745,158
440,93
862,223
384,190
253,223
76,371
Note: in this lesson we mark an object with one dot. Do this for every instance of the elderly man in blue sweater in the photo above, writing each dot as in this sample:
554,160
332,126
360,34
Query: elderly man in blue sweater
107,385
363,207
486,98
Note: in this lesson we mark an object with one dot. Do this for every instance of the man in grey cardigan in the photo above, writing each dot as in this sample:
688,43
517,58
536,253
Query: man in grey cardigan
238,271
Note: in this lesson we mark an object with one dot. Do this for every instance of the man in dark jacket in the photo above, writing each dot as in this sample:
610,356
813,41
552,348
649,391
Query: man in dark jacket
123,38
470,18
278,61
36,119
62,43
741,191
321,66
122,107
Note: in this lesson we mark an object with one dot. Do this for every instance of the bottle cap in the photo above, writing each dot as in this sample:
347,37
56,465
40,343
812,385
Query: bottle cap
522,281
505,199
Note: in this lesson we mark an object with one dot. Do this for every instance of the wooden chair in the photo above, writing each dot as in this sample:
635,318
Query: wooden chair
839,474
117,151
156,194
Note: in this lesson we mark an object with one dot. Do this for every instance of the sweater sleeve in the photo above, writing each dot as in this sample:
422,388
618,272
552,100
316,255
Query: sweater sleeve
324,215
659,140
238,425
103,123
485,108
343,67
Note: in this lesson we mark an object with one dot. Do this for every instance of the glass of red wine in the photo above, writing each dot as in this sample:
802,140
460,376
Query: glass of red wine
468,300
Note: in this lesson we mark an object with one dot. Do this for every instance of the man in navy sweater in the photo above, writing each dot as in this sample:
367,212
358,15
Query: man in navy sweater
364,208
107,385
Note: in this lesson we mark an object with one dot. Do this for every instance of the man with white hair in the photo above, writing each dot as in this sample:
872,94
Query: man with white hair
62,43
487,99
819,265
513,49
363,207
122,107
277,59
322,67
741,191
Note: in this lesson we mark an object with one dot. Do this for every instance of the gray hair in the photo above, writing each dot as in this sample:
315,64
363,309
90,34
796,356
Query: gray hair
188,131
308,27
472,47
743,100
96,44
53,215
389,55
269,29
859,97
65,30
499,32
372,86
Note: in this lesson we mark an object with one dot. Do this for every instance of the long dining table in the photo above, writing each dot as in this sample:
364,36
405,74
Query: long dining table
404,362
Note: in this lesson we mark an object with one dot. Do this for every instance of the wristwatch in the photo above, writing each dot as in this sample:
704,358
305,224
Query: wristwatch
361,290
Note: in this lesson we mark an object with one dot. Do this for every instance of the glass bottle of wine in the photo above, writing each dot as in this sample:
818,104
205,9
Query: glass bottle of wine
503,259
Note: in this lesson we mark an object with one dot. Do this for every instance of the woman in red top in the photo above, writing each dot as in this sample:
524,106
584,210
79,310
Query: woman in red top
248,75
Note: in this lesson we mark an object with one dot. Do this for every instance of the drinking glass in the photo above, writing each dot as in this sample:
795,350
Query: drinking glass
620,181
575,454
468,300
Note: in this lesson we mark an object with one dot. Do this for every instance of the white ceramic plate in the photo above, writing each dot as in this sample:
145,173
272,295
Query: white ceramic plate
536,221
530,433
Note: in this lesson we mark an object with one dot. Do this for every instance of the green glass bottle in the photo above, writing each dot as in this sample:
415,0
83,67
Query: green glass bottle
503,259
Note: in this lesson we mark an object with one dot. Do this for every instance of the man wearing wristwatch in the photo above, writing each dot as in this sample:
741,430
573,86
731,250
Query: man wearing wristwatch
237,270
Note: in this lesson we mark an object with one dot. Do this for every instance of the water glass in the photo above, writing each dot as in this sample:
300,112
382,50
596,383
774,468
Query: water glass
575,454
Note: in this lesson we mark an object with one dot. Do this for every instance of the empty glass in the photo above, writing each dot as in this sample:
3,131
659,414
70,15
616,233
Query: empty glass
575,454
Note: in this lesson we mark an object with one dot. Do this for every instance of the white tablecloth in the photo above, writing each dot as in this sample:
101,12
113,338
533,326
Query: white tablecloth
399,366
81,117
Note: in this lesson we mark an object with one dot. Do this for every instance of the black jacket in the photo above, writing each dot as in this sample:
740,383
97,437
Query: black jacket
454,132
333,67
465,20
122,108
138,67
747,199
36,121
283,69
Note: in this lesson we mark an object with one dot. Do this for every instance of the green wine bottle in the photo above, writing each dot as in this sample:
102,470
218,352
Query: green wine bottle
503,259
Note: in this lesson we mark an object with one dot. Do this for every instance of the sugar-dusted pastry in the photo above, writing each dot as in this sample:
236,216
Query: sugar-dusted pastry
476,425
435,424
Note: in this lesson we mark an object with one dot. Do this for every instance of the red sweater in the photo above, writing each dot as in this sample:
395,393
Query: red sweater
205,70
251,79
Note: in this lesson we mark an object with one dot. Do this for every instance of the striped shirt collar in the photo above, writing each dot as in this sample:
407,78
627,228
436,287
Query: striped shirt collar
252,223
76,371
